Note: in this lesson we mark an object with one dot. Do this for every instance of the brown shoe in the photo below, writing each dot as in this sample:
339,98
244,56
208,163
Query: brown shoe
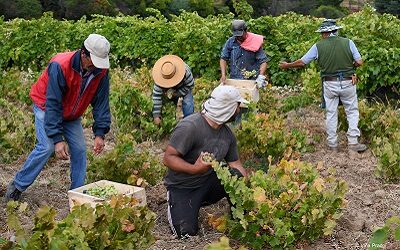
359,147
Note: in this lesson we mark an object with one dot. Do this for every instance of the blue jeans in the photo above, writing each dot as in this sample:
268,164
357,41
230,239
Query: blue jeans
187,104
44,148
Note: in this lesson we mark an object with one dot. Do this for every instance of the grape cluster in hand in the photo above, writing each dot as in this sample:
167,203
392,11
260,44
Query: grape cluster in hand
207,157
248,74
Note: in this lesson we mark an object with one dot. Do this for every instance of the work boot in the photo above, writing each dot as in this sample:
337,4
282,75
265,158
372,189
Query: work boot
12,193
359,147
333,149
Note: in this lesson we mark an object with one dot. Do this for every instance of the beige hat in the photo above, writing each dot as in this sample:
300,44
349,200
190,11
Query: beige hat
168,71
98,47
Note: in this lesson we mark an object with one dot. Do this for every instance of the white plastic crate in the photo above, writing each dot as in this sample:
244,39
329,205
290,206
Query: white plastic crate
76,196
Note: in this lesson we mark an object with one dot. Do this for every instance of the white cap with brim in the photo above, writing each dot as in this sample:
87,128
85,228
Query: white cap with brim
223,103
98,47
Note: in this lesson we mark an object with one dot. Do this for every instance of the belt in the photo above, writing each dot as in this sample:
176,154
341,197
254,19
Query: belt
336,78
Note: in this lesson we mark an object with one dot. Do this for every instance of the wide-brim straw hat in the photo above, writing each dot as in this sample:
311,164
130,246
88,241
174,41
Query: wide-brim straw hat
328,25
168,71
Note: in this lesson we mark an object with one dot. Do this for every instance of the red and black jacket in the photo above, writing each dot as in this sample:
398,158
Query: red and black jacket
58,92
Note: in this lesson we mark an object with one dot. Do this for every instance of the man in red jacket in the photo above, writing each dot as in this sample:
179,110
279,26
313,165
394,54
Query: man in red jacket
71,82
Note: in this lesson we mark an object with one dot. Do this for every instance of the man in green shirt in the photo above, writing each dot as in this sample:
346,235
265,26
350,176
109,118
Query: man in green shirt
337,58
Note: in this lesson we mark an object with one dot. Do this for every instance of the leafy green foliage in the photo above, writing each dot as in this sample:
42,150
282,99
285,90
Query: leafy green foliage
264,135
389,157
126,159
380,50
328,11
5,244
16,131
21,8
384,6
199,40
296,101
203,7
378,120
268,101
119,224
290,202
16,84
379,125
312,84
381,235
202,91
222,244
243,9
131,106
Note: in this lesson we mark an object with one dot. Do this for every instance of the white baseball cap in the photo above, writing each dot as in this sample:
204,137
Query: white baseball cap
98,47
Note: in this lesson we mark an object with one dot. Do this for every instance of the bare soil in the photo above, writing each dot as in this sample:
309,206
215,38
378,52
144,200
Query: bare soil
370,201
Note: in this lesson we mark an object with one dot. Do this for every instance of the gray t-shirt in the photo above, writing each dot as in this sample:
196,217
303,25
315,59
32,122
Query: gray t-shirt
194,135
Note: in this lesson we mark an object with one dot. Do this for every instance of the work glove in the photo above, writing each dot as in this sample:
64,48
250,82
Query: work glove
261,81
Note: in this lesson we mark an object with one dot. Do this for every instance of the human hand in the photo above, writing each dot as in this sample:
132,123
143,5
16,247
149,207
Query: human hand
284,65
201,166
61,150
261,81
98,145
157,121
222,80
354,79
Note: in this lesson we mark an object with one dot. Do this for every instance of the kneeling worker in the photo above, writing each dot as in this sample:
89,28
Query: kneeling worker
192,183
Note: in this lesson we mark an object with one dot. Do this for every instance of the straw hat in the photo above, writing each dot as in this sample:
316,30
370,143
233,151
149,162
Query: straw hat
168,71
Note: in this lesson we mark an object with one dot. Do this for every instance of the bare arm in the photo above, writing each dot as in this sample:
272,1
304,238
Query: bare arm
173,160
222,65
296,64
238,165
263,68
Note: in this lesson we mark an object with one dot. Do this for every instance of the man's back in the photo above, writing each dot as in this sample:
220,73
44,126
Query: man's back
334,56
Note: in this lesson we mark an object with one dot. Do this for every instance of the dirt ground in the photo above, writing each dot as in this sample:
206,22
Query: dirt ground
370,201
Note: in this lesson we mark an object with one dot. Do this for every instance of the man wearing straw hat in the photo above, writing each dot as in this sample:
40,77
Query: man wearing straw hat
191,182
337,57
173,79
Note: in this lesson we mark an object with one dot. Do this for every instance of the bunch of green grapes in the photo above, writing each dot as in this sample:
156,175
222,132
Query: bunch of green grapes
170,93
207,157
248,74
104,192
